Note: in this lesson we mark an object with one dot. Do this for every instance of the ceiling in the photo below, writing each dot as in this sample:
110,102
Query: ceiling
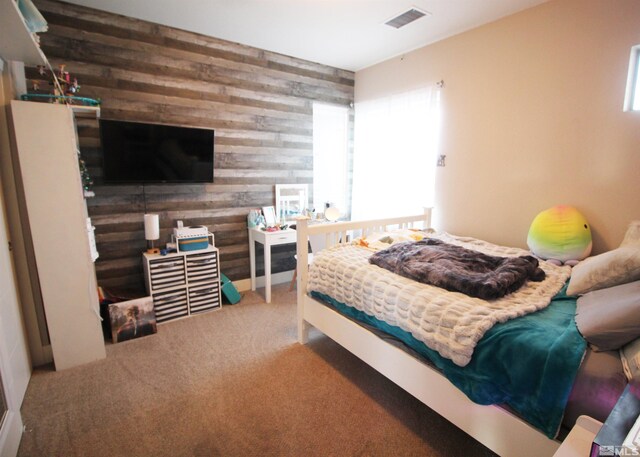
348,34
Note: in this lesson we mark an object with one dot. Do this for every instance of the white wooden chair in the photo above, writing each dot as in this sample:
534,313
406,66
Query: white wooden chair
291,201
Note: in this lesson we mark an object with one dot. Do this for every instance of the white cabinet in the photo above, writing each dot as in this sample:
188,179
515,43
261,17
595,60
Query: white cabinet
54,214
183,283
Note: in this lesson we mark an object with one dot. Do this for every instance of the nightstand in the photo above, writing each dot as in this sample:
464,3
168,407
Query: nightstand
267,239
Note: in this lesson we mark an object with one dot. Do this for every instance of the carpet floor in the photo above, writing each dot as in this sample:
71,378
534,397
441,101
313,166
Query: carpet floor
232,382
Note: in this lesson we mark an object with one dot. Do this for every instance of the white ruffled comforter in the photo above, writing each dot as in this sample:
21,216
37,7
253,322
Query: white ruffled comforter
450,323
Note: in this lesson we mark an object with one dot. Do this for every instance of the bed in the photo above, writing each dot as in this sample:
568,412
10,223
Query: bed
497,427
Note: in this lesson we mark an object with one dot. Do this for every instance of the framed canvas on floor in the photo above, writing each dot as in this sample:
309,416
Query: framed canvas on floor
132,319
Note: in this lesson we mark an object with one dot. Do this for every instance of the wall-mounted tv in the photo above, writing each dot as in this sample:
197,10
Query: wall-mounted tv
139,153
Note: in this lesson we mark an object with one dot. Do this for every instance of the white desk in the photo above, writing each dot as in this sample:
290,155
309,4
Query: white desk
267,239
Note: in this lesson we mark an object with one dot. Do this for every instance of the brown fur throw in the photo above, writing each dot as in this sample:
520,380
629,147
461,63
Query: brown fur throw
458,269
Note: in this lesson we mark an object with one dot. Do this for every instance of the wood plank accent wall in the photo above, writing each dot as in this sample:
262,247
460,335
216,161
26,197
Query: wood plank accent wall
258,102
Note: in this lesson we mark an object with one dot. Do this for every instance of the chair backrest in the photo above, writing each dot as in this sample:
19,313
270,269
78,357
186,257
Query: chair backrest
291,201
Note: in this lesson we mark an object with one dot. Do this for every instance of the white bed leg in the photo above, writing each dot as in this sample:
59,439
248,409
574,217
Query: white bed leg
302,241
303,332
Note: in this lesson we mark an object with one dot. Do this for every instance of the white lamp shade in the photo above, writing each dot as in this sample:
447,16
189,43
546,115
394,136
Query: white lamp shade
151,226
332,214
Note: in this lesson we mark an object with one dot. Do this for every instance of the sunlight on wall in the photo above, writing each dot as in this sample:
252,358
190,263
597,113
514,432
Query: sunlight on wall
636,85
632,98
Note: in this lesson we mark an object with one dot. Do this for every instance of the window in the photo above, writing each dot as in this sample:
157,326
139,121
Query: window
396,143
331,159
632,99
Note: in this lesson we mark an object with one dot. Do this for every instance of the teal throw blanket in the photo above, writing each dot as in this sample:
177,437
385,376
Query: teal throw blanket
528,363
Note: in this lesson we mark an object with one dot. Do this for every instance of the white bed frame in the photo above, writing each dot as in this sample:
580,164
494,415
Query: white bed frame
496,428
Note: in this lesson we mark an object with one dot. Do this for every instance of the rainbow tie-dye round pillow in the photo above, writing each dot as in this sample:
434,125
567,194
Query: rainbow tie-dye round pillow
560,235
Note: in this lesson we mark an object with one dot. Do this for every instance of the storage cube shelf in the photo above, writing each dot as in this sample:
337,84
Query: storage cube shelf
183,283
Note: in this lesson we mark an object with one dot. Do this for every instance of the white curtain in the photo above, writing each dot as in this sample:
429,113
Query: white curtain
330,157
396,144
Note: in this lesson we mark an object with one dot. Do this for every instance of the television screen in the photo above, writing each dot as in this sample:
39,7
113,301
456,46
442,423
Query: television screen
135,153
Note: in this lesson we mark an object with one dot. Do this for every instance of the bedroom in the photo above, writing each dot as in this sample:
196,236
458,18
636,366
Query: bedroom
561,66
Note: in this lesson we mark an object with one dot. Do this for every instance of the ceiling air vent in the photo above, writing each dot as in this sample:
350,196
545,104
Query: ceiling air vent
405,18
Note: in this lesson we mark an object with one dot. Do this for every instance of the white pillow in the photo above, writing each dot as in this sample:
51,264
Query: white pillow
632,237
612,268
610,318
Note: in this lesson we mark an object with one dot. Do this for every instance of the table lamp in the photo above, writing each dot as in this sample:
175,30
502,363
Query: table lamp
332,214
151,232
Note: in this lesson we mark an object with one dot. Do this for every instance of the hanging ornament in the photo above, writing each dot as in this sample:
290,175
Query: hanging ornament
87,181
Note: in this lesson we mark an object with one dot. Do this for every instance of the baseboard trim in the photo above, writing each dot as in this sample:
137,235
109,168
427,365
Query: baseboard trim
277,278
10,433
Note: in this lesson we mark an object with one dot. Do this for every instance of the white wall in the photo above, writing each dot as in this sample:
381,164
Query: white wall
532,118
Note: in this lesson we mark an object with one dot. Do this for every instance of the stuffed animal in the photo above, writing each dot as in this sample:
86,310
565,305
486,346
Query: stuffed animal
560,235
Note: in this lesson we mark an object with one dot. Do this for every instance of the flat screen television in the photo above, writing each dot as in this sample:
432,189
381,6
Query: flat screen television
139,153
